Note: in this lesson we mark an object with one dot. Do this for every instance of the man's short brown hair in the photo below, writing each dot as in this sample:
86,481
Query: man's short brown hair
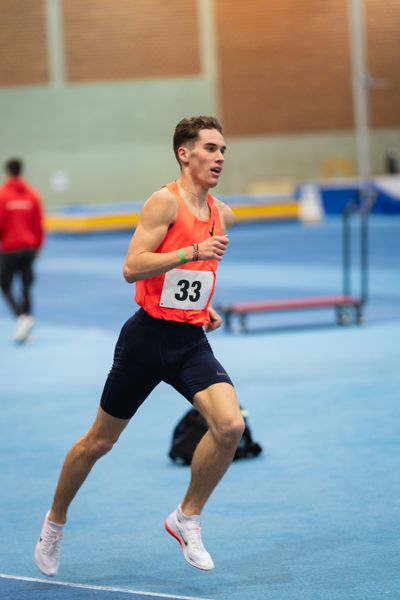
187,130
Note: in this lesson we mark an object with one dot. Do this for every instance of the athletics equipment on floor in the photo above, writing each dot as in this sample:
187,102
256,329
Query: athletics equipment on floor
343,303
191,428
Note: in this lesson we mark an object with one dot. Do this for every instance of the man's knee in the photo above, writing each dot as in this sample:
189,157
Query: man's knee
230,431
94,447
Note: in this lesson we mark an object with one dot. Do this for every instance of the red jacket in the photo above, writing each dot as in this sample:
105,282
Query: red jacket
21,216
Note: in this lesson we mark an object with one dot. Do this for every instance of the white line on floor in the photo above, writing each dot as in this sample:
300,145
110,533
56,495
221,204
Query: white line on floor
100,588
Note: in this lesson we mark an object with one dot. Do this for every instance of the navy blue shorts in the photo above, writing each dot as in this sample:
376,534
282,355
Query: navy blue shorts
149,351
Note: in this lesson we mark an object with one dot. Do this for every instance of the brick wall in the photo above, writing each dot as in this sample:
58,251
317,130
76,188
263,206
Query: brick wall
284,66
126,39
383,42
23,44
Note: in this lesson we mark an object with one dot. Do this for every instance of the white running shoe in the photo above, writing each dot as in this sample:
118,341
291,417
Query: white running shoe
47,551
188,534
24,327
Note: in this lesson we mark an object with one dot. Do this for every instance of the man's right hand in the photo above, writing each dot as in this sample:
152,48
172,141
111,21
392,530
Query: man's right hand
213,248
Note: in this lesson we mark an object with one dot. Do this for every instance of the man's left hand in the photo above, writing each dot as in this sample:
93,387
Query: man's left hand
214,322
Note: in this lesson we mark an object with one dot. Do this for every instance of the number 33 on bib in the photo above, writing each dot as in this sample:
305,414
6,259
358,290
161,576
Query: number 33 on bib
187,289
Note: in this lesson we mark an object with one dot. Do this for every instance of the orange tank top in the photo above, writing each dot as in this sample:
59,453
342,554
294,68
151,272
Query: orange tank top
184,293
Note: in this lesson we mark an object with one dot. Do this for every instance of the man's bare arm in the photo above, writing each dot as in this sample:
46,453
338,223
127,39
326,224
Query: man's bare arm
158,214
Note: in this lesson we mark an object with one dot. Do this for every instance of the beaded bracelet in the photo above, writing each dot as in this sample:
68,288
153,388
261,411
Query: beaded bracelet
195,252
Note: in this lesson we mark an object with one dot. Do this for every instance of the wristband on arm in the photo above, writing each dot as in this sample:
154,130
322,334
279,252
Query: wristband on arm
182,256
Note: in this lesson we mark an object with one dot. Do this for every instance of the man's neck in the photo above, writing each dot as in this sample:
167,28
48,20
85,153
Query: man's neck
193,193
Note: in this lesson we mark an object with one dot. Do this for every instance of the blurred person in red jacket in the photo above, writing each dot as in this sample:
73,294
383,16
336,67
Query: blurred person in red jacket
21,236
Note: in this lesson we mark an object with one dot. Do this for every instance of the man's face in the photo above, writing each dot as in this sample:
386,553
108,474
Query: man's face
206,157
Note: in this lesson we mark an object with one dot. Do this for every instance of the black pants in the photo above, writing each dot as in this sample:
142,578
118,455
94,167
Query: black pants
149,351
13,264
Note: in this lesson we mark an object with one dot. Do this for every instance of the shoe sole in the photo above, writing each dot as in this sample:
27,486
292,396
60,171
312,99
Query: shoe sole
183,547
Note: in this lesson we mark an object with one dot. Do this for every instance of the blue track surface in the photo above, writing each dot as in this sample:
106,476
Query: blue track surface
315,517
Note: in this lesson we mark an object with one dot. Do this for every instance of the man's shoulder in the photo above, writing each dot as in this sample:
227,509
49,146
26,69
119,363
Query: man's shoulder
164,193
225,211
162,196
4,194
19,188
32,192
162,206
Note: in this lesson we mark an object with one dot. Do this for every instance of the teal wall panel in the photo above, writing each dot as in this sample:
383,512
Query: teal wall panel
109,142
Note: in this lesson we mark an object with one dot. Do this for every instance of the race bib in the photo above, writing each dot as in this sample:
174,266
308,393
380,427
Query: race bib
186,289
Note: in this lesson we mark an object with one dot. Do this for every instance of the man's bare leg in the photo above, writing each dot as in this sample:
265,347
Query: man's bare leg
214,453
79,461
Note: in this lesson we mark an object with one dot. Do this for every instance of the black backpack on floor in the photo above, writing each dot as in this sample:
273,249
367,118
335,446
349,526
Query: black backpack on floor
191,428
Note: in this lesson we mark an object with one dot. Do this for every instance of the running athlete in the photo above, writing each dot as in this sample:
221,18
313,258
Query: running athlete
173,258
21,237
